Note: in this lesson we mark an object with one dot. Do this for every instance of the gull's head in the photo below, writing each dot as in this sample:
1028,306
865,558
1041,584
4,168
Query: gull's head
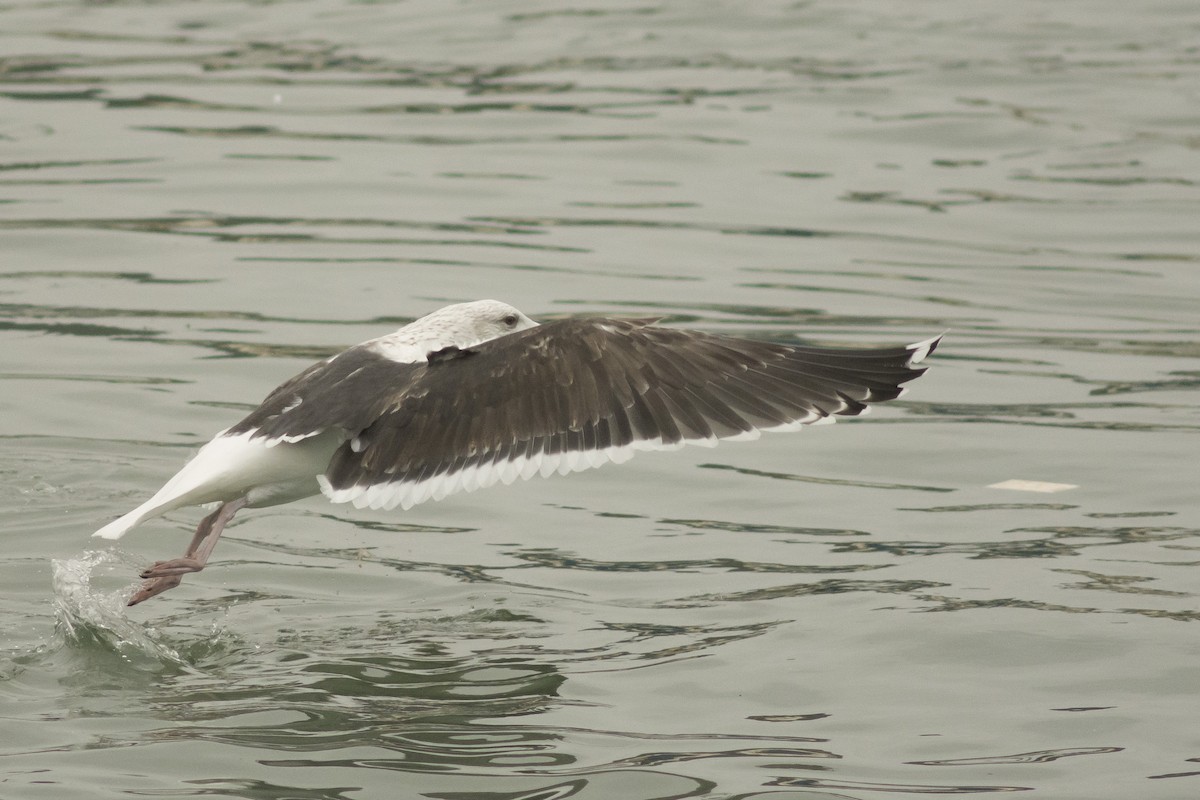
467,324
462,325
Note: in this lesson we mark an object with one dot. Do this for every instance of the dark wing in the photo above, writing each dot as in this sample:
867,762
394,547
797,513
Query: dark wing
348,392
570,395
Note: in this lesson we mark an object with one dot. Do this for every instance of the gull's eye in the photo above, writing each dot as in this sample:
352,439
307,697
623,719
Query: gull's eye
510,320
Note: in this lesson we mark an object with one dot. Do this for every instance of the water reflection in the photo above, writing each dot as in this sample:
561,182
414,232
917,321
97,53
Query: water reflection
555,559
894,788
200,223
824,480
752,527
133,277
824,587
419,715
942,603
688,639
1038,757
1061,541
263,790
1119,583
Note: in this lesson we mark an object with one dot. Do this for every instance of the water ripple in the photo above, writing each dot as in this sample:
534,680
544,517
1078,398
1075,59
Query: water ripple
1037,757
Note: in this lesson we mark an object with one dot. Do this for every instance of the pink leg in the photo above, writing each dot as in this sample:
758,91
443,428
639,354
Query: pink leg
164,575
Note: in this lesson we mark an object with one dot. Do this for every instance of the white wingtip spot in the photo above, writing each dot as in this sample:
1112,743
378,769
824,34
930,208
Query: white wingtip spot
920,350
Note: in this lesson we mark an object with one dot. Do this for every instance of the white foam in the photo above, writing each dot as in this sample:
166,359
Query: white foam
88,614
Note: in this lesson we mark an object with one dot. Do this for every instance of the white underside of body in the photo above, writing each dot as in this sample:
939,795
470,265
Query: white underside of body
230,467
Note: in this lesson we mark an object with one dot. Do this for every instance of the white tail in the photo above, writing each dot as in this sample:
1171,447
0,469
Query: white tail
229,467
122,525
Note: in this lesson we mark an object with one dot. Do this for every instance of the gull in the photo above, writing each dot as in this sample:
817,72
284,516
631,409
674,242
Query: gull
478,393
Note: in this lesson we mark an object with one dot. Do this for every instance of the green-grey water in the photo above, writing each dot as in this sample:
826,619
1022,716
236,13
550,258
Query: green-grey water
198,199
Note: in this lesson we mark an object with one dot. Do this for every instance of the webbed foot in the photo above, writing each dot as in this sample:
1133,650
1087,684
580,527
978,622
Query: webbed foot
153,587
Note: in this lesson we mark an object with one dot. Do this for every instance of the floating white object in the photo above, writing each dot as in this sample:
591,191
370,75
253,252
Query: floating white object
478,393
1045,487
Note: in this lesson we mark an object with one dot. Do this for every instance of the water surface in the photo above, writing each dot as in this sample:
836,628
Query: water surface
198,199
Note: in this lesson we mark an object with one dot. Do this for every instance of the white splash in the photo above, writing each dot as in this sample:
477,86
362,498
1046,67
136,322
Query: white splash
88,614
